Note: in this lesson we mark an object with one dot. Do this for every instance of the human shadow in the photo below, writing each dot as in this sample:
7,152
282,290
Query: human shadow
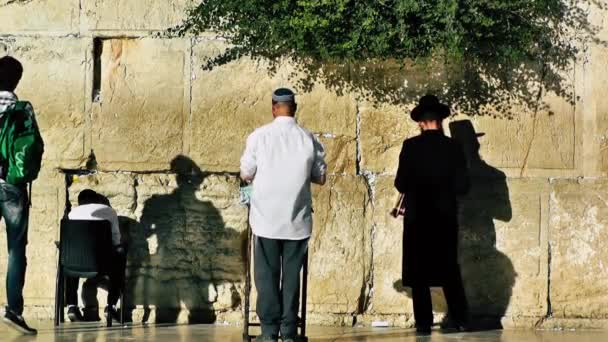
181,252
488,274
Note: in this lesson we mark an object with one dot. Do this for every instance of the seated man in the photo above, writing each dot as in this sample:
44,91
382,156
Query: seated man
94,206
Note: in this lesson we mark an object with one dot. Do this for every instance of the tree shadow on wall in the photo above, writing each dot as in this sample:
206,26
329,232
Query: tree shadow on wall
481,83
488,274
182,252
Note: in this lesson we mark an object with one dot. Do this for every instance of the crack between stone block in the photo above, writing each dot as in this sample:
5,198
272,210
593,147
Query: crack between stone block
358,140
367,286
135,195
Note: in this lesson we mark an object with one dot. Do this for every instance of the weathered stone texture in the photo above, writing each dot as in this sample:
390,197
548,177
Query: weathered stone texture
230,101
542,141
389,294
340,154
340,250
45,16
579,248
54,82
140,121
48,198
383,130
132,15
503,248
187,247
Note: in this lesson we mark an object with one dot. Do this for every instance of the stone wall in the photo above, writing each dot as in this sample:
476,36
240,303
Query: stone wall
122,103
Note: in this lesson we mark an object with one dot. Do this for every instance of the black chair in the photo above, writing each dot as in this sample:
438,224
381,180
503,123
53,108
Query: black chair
85,251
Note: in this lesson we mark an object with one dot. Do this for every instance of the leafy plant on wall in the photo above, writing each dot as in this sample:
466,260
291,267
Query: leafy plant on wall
476,53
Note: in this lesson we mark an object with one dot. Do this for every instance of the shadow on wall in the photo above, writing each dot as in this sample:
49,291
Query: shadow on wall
181,251
488,274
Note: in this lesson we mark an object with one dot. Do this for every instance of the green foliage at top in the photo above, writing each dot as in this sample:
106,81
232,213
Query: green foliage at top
475,33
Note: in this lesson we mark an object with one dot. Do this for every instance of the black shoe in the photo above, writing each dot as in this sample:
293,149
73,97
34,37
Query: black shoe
423,331
18,323
74,314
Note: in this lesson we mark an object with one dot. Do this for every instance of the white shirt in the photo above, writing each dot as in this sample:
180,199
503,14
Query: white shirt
98,212
282,157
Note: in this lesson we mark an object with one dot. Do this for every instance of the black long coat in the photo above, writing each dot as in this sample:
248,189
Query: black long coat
432,174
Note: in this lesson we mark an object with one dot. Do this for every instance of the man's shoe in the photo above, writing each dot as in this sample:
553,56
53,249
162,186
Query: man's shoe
267,338
423,331
74,314
18,323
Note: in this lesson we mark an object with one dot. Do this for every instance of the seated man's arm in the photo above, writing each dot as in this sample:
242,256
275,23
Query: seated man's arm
248,160
319,166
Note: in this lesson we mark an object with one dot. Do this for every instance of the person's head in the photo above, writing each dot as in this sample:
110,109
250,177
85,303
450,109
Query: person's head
187,172
88,196
11,71
284,103
430,113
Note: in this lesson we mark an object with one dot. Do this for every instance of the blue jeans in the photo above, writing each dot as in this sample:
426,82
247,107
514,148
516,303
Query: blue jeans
14,209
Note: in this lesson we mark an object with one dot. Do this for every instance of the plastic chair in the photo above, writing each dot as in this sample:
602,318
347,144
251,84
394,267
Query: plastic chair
85,251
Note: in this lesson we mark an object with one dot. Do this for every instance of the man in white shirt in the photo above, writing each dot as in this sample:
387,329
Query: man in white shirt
96,207
281,160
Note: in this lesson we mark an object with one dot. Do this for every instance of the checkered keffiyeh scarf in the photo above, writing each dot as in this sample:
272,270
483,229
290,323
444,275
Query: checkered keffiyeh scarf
7,99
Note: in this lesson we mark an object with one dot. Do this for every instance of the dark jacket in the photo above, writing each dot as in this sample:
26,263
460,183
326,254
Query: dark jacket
432,174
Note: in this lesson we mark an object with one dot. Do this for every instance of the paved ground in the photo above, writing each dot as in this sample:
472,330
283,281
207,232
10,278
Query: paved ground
95,333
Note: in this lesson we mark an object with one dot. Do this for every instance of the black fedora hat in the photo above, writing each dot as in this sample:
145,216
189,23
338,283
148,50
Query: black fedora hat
429,107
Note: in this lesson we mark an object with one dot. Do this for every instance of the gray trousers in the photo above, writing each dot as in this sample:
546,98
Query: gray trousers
277,279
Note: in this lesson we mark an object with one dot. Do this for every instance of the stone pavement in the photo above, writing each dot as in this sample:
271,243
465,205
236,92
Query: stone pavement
182,333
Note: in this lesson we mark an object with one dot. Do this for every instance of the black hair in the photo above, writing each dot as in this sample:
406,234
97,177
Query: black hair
11,71
88,196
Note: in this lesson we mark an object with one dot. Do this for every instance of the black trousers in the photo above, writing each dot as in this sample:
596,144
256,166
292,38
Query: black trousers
277,266
454,296
112,282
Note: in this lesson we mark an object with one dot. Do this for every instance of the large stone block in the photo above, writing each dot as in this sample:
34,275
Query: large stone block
133,15
230,101
383,130
340,154
48,197
389,295
340,249
579,253
42,16
119,188
503,247
503,252
54,82
542,140
186,253
140,121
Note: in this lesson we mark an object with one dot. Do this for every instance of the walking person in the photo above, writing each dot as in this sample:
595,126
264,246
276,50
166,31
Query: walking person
281,160
432,174
21,149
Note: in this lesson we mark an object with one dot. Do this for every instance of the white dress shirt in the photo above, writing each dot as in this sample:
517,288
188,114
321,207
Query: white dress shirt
98,212
282,157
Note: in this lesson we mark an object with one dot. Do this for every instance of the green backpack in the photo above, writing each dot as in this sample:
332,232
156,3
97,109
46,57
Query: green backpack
21,145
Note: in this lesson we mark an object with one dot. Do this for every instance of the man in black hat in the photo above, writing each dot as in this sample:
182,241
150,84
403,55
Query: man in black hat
432,173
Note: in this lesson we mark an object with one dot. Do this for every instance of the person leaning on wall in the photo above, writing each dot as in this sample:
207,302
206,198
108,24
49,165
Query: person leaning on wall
432,174
281,160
